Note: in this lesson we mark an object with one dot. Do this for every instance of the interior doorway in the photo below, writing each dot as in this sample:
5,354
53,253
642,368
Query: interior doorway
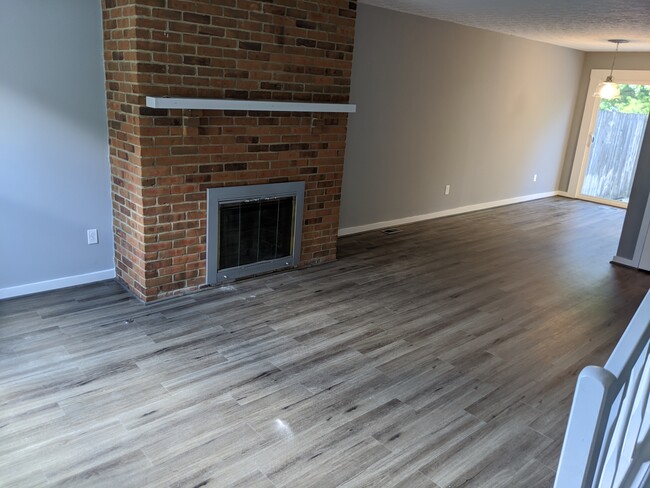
610,140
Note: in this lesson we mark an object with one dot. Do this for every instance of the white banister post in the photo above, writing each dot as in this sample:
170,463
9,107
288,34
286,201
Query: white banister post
586,427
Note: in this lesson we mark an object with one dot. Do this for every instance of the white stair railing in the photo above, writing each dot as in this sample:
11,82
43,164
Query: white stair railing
607,443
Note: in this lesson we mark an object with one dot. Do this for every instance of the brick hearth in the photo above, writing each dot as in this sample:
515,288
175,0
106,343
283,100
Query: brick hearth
162,161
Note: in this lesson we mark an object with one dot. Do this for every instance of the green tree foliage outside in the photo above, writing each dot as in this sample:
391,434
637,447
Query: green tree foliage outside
635,99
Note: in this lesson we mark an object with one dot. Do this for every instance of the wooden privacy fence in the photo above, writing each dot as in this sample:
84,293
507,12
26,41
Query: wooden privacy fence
614,154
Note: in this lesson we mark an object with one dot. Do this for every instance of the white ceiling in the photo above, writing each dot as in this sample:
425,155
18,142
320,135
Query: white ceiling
580,24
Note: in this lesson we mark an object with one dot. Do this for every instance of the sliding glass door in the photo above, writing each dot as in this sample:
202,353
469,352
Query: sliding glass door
611,134
615,145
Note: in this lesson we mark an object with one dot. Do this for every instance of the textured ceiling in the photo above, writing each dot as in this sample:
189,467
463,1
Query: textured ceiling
580,24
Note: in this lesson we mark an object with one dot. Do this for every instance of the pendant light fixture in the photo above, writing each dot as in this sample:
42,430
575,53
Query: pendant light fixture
607,89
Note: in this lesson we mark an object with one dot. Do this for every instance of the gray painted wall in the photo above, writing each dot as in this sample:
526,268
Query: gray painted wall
639,61
54,170
638,201
439,103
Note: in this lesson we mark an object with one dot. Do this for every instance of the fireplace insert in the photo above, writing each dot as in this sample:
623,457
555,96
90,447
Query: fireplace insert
253,229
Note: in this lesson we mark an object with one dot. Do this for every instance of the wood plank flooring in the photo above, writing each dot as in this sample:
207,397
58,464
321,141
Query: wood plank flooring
442,356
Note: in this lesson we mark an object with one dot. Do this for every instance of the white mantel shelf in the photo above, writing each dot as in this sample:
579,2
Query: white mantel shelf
259,106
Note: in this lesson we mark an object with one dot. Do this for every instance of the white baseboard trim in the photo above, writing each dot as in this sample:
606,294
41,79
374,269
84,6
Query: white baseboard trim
346,231
82,279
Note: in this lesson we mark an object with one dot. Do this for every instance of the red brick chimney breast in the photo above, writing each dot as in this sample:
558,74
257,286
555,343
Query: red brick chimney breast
162,161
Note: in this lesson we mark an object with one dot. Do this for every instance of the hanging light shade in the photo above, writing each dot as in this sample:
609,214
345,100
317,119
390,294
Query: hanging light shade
608,90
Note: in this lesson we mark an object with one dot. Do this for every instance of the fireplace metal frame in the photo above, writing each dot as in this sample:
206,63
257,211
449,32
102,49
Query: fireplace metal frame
247,193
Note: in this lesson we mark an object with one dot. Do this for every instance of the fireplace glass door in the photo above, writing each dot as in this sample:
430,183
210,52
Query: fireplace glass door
254,231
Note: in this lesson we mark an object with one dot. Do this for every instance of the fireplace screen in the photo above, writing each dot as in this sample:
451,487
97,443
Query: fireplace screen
253,229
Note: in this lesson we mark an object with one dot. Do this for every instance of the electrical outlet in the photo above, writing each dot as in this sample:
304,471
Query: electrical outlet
534,177
92,236
447,189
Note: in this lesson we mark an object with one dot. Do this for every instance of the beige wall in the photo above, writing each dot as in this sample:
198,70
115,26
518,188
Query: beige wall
640,61
439,103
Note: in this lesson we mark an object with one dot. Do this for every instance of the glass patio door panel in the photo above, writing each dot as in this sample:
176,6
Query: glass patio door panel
616,143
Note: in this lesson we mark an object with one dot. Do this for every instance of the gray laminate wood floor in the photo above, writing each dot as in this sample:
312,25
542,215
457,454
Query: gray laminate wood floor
442,356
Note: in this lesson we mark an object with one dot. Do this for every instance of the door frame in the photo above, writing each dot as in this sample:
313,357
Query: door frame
588,125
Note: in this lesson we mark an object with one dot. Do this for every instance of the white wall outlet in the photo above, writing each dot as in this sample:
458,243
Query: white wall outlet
534,177
447,189
92,236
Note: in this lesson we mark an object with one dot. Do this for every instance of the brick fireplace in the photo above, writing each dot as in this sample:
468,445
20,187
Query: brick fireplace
163,161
